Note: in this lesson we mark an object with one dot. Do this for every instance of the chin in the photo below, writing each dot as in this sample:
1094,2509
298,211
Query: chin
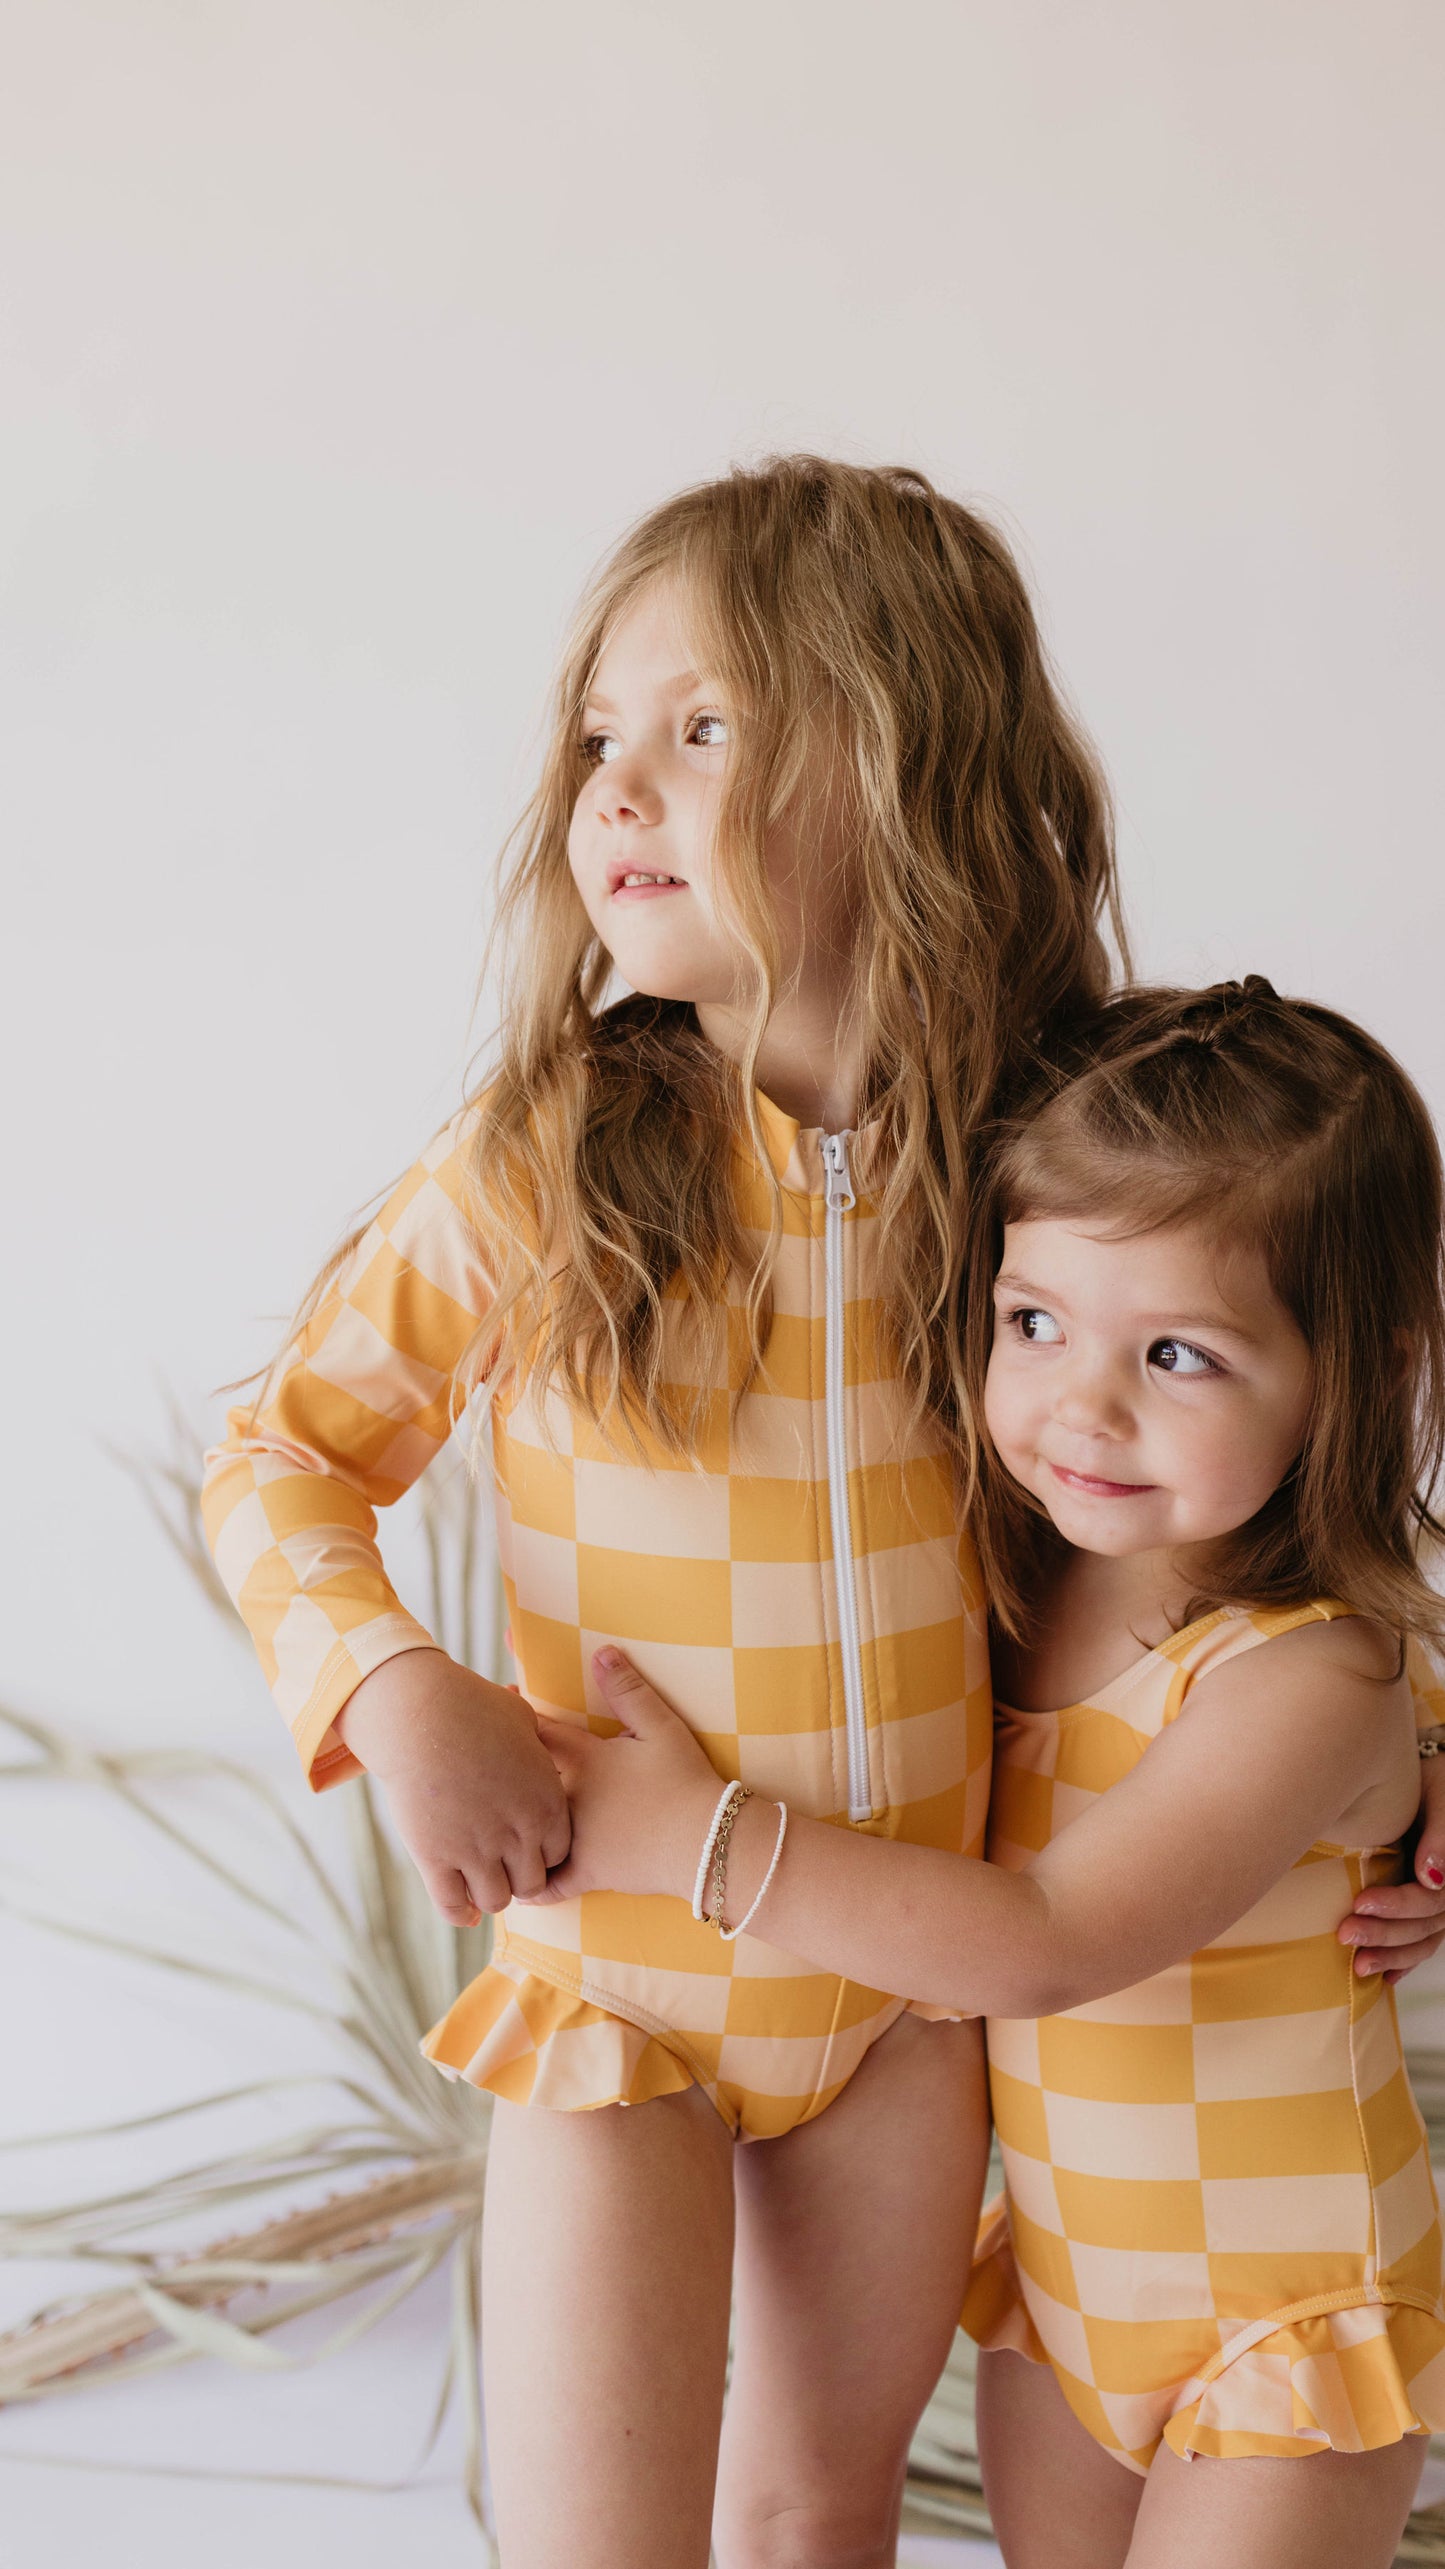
1107,1530
690,978
1119,1546
655,981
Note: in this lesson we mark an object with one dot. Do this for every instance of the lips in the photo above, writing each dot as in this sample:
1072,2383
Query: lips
625,878
1091,1486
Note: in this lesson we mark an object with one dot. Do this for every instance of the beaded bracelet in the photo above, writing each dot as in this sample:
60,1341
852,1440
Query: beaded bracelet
765,1885
709,1842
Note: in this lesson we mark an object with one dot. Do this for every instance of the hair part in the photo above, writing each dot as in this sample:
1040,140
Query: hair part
1283,1127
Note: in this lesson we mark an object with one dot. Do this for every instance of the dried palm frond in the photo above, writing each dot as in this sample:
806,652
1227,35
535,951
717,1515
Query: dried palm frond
399,2149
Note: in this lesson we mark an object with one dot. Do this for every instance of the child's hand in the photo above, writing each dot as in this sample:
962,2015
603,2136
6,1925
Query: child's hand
641,1803
1400,1926
476,1797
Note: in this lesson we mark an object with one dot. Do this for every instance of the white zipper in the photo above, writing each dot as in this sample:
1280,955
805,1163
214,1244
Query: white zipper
839,1199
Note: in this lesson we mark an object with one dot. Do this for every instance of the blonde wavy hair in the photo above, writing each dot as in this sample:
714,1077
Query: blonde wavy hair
817,594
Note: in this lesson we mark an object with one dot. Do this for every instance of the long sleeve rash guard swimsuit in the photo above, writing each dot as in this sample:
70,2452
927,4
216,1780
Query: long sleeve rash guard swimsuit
802,1595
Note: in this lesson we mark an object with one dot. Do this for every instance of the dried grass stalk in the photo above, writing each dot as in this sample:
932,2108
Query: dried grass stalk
107,2324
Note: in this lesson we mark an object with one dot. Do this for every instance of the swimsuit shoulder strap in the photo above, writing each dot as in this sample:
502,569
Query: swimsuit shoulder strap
1228,1632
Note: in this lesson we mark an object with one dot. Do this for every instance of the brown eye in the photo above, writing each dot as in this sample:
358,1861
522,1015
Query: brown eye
1039,1327
599,748
709,731
1176,1356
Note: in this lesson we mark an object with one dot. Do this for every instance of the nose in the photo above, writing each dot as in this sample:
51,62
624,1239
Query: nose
626,792
1091,1400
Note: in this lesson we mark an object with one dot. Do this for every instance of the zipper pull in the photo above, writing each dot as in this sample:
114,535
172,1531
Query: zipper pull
839,1196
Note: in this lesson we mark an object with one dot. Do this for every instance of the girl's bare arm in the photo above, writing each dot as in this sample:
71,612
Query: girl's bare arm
1272,1753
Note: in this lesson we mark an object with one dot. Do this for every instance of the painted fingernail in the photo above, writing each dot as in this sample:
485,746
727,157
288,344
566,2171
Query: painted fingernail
1433,1874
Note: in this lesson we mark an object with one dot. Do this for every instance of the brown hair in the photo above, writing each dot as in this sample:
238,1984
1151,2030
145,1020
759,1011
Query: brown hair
1281,1125
817,592
813,588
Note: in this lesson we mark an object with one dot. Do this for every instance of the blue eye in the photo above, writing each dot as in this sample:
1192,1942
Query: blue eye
1039,1327
1176,1356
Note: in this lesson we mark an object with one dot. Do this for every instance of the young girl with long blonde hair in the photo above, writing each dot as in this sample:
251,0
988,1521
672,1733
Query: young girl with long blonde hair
812,795
1206,1347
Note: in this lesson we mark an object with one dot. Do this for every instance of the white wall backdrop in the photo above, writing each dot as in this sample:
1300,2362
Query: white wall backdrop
340,336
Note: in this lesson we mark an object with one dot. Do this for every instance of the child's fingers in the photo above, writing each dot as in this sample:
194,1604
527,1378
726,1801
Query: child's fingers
1417,1905
558,1886
556,1839
565,1743
448,1893
1374,1933
1396,1962
1395,1928
525,1870
1430,1864
635,1704
1396,1946
1430,1840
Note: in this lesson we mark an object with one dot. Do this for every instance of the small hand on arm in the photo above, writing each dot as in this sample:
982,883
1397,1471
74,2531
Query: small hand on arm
472,1790
1401,1925
1261,1764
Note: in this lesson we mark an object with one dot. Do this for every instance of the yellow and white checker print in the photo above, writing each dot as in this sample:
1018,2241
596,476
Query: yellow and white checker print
717,1578
1220,2227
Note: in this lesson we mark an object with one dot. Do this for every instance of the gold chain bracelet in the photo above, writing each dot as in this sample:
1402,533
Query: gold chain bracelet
743,1793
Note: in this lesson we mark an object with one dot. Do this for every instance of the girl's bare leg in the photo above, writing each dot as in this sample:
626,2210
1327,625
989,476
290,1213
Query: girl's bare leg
854,2239
1328,2511
606,2264
1057,2499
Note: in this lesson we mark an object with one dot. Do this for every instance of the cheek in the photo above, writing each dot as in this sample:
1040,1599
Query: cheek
692,829
579,833
1006,1406
1224,1462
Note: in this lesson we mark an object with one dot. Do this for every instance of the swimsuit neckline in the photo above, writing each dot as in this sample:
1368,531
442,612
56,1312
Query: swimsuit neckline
1094,1700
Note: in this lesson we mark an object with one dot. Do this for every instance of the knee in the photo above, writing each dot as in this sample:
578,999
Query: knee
809,2533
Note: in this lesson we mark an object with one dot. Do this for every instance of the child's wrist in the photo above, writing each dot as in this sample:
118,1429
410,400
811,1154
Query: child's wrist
696,1811
754,1839
743,1848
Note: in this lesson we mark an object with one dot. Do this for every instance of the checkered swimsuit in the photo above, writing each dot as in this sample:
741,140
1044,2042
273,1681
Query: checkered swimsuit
862,1700
1220,2226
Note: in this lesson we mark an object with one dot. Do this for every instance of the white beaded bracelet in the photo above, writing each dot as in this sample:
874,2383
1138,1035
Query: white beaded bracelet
709,1842
728,1933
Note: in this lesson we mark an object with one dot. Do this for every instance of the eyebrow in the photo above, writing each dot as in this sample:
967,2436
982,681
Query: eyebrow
1008,1282
684,685
1212,1324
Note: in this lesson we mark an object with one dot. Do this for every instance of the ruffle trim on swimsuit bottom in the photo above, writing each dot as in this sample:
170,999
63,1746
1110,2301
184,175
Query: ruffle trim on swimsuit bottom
1349,2378
517,2036
994,2313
